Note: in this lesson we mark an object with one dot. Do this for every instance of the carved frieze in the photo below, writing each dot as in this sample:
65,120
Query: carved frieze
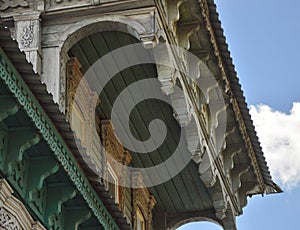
60,4
13,4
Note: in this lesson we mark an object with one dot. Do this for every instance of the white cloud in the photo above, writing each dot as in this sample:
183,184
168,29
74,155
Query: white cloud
279,134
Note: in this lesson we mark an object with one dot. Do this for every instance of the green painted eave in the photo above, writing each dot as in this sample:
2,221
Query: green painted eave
17,86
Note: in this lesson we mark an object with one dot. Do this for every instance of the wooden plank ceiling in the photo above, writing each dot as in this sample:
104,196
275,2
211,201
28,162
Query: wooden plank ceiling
185,192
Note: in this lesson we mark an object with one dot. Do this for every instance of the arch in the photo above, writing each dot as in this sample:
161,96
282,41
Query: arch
194,220
71,34
79,30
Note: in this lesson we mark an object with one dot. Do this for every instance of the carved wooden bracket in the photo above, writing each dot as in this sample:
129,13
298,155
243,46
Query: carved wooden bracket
173,12
195,141
184,31
27,32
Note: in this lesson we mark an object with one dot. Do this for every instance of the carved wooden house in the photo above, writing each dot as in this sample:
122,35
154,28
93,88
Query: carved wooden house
53,173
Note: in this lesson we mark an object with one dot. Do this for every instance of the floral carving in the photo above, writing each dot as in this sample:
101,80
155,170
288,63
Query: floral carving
12,4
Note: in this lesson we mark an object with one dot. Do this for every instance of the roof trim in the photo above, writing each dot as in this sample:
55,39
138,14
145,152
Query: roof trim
213,24
19,88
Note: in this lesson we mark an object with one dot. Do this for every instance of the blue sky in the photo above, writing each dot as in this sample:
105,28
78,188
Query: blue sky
264,37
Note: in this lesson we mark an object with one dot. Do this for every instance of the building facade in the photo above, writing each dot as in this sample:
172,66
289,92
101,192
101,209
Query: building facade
63,168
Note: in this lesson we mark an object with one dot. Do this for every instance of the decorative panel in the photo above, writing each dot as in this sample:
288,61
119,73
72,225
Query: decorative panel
13,214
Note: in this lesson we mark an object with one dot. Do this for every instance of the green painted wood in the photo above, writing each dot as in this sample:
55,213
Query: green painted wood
39,169
34,111
8,107
57,194
18,143
3,148
75,216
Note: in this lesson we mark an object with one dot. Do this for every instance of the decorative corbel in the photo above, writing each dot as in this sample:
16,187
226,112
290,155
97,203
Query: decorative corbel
27,32
197,67
235,175
184,31
173,13
182,107
227,156
207,170
194,141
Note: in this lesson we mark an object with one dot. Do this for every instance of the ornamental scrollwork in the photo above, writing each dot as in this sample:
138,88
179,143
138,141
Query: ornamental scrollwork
7,221
13,4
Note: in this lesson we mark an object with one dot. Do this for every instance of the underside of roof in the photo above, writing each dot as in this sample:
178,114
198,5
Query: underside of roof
186,194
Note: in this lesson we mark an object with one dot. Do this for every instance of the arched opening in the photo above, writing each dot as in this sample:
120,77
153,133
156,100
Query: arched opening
206,222
88,51
200,225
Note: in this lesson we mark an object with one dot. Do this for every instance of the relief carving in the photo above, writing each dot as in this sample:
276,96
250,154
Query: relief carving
7,221
143,201
59,4
12,4
27,36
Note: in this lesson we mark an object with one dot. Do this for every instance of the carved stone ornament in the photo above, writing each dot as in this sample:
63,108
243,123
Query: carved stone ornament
13,214
12,4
